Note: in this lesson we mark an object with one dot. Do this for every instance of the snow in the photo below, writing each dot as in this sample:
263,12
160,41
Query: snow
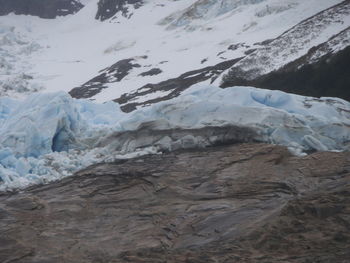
48,136
13,45
75,48
335,44
296,43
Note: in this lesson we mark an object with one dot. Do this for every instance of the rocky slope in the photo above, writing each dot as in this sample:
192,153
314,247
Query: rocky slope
238,203
281,63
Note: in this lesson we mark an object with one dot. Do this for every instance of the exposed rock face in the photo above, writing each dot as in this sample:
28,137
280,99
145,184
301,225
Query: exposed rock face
114,73
41,8
241,203
109,8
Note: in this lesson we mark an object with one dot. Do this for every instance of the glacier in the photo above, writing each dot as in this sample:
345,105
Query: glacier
48,136
15,50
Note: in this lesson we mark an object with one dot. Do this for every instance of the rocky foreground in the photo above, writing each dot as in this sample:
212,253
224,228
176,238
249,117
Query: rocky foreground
239,203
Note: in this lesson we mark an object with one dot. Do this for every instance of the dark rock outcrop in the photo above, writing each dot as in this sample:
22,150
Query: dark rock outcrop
173,86
151,72
109,8
41,8
241,203
328,77
114,73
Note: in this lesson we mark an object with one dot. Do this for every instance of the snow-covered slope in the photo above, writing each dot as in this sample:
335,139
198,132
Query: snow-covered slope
322,28
49,136
165,39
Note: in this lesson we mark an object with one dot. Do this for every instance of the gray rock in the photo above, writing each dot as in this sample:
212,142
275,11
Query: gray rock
238,203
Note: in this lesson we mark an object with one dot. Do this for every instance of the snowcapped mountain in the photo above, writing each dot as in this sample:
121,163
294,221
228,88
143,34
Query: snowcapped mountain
174,131
139,52
142,59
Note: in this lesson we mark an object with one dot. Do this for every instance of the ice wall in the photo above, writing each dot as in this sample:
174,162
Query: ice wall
48,136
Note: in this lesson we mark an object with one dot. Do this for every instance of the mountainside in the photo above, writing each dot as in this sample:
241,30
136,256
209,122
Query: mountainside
273,61
175,131
141,52
111,8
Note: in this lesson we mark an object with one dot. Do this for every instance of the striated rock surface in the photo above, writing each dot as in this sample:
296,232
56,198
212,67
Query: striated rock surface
238,203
